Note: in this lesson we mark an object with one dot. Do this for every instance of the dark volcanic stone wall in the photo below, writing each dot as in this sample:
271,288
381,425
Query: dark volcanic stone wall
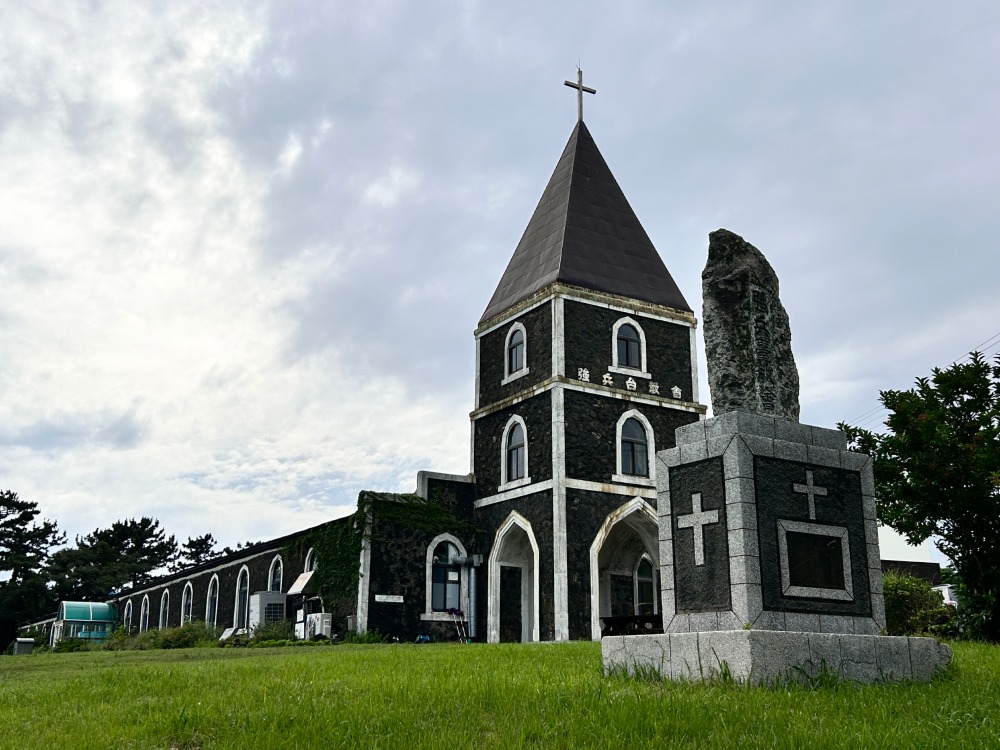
537,509
588,328
537,415
492,355
590,432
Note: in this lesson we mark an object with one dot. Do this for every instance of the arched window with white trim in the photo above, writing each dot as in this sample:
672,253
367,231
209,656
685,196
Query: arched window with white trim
514,458
212,603
645,587
241,614
144,614
635,449
515,354
187,603
127,618
165,609
628,348
447,581
274,575
310,561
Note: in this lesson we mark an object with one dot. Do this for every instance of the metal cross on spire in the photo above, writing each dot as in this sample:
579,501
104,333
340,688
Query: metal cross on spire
580,88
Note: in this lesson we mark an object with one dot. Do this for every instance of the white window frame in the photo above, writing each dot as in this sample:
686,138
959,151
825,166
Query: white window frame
641,371
310,561
187,603
621,477
526,479
509,376
635,584
127,617
164,609
144,614
463,596
212,613
236,605
281,573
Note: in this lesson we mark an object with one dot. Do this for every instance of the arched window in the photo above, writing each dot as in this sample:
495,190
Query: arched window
446,579
187,603
515,453
127,619
144,615
645,590
165,609
242,614
516,358
212,603
634,456
274,575
635,449
310,561
628,349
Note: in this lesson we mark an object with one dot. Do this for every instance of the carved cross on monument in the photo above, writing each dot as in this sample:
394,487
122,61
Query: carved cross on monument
697,520
580,88
811,491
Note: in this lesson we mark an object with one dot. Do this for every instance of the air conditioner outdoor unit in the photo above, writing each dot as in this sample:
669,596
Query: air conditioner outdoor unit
265,607
320,623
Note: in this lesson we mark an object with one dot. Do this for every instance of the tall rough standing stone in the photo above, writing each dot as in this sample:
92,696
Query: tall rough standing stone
748,343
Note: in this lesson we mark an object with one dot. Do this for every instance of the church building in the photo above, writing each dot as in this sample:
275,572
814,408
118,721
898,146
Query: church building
585,366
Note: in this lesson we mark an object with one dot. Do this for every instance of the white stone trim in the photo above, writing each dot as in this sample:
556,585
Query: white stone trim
212,621
509,376
680,319
164,618
619,475
526,479
635,505
560,566
364,578
558,338
694,363
144,614
270,573
424,476
611,489
493,597
638,372
475,400
236,599
310,562
514,493
840,532
127,616
187,598
463,596
389,598
500,323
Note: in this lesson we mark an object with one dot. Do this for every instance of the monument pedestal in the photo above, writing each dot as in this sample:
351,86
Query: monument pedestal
769,560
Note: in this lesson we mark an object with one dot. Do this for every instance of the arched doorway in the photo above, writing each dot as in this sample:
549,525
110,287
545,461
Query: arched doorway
512,611
625,564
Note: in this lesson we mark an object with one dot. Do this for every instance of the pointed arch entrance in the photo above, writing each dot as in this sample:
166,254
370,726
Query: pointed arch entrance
628,537
512,609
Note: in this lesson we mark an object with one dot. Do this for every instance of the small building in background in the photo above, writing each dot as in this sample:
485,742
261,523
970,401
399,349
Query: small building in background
89,621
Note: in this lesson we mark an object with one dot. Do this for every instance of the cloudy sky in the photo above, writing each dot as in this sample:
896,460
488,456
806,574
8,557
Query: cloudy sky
243,246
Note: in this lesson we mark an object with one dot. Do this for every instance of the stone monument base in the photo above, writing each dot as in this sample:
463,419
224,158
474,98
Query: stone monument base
766,656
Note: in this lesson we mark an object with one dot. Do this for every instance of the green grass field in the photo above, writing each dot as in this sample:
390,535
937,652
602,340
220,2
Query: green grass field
454,696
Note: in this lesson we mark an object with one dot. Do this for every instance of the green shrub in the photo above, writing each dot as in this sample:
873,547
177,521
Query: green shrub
369,636
280,630
912,607
71,645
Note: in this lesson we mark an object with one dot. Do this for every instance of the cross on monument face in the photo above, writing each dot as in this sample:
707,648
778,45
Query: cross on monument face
697,520
580,88
810,490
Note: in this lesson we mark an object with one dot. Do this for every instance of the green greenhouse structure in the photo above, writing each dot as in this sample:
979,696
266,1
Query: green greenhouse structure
90,621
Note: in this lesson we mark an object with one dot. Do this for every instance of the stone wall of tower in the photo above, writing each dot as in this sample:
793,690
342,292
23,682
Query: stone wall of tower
537,324
489,449
589,345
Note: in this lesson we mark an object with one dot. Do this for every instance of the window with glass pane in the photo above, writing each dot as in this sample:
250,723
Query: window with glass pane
628,347
242,599
144,615
446,579
644,588
186,604
276,575
164,609
634,448
212,605
515,352
515,453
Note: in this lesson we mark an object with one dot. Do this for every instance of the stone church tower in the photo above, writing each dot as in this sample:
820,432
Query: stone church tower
585,366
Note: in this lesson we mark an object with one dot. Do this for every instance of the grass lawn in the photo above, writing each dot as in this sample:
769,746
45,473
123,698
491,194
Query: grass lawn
455,696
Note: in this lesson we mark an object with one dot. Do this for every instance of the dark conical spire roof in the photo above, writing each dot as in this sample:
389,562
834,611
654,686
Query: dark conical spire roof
585,233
